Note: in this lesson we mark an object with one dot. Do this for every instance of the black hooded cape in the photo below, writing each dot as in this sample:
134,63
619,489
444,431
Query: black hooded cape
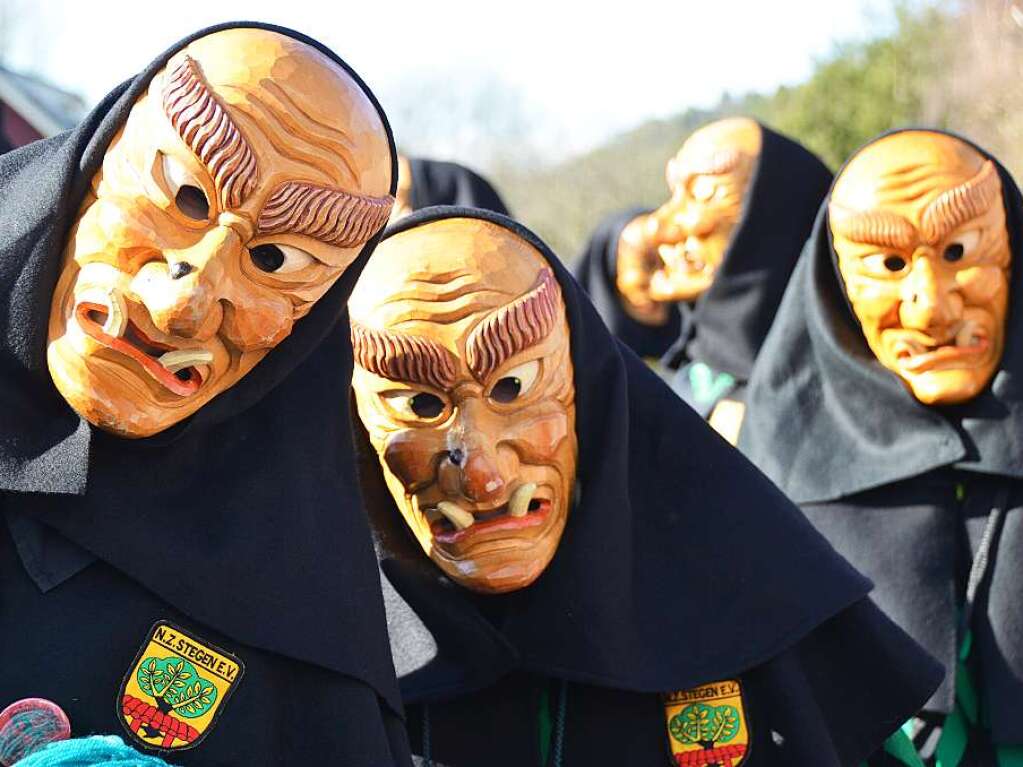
677,567
435,182
725,327
597,269
901,488
242,524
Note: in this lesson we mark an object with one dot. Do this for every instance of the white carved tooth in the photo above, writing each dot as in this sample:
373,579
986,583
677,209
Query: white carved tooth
967,335
458,516
518,505
180,359
113,302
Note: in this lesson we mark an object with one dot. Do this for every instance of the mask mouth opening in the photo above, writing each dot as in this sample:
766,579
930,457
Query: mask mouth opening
918,352
177,370
452,524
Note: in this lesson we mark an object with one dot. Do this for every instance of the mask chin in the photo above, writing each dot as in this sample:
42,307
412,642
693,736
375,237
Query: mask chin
950,387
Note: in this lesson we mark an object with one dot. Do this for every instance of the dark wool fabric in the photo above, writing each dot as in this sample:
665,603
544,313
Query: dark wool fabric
676,568
243,523
901,488
726,326
435,182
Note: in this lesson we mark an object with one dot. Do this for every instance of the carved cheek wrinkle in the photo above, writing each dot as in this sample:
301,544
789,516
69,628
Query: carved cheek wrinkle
537,438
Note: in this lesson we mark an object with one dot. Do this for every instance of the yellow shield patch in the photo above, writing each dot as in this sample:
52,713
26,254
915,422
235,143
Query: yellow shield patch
707,725
176,688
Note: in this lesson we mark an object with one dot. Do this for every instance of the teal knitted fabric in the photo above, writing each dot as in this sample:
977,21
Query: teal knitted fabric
85,752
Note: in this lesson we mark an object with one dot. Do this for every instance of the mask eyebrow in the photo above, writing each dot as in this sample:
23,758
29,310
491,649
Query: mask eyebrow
205,126
515,327
333,216
873,227
960,204
715,163
403,357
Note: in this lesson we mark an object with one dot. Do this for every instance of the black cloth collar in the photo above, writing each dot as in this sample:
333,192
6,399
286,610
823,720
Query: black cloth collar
825,419
436,182
237,517
664,507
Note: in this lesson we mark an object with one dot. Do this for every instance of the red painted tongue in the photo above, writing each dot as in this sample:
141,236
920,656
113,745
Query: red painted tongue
181,387
443,533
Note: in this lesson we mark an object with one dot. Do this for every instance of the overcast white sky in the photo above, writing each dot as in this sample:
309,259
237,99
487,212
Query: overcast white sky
577,72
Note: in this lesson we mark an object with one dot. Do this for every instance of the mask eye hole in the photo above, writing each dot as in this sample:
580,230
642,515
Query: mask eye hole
279,259
518,381
961,246
191,200
414,404
506,389
894,263
426,405
703,188
189,197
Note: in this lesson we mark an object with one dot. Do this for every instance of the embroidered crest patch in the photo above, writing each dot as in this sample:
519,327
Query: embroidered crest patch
176,688
707,725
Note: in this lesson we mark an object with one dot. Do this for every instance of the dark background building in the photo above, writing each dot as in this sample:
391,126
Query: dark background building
31,109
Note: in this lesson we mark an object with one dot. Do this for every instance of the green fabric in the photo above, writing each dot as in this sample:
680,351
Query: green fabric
1009,756
952,744
899,746
707,385
544,725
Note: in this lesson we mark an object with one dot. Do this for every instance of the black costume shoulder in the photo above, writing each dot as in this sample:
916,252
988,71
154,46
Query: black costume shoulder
236,524
436,182
680,565
901,488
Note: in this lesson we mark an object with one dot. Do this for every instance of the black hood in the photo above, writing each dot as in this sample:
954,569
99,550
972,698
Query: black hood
726,326
253,502
597,269
825,419
650,521
435,182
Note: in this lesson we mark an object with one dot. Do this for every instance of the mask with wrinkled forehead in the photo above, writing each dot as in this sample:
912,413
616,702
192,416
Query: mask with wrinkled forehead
245,180
464,382
919,227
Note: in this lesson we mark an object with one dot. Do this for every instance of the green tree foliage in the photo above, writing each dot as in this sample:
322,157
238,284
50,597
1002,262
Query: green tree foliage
863,88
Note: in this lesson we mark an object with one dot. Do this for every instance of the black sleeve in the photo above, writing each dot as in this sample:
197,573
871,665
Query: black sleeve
833,699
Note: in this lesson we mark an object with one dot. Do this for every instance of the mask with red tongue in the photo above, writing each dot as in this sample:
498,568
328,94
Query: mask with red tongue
246,179
464,382
919,228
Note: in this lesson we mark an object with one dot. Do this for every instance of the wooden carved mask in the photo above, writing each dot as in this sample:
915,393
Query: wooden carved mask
245,180
464,382
690,233
918,224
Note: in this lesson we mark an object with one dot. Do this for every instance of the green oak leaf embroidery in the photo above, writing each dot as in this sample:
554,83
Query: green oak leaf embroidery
705,725
176,686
